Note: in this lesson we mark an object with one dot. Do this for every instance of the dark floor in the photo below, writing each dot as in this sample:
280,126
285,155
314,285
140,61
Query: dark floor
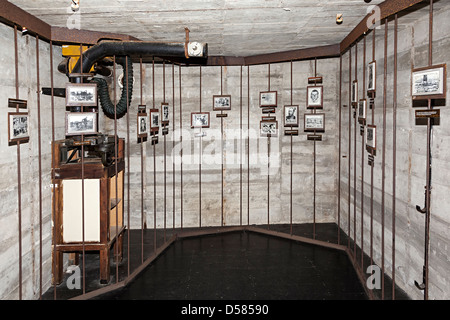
231,266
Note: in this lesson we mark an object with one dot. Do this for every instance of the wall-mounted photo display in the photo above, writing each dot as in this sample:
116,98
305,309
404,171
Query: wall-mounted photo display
80,123
314,122
268,128
18,127
372,77
314,95
165,113
142,122
429,82
371,138
200,120
154,121
354,93
81,94
291,116
268,98
221,102
17,103
362,111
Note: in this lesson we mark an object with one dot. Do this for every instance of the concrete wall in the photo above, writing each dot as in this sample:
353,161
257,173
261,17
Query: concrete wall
201,197
410,172
30,200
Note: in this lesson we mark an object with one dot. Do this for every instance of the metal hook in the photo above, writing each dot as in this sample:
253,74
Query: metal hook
422,285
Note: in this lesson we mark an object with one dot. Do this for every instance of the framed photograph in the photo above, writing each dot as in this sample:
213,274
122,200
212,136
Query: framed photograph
314,121
429,82
200,120
372,76
78,123
268,98
354,92
268,128
165,113
142,125
291,116
362,110
18,126
222,102
315,96
81,94
371,137
154,120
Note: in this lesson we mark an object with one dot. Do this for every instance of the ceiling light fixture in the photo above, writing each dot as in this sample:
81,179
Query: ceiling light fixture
75,5
339,18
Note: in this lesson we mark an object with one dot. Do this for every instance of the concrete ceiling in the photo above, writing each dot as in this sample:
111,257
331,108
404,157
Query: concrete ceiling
230,27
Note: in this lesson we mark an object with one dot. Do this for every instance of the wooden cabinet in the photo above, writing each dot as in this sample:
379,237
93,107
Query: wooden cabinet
88,207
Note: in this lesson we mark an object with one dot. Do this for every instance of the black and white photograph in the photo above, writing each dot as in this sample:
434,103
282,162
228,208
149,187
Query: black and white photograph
362,110
142,125
81,94
291,116
18,124
371,76
154,119
222,102
200,120
371,137
314,122
314,96
268,99
78,123
269,128
429,82
165,113
355,92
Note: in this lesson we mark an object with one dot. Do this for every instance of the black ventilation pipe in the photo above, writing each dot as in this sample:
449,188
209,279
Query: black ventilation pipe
126,49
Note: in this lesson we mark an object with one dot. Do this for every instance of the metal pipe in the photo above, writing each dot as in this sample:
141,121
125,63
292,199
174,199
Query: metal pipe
394,153
349,139
52,103
173,146
354,157
339,158
181,151
165,157
128,172
200,160
248,145
362,159
142,168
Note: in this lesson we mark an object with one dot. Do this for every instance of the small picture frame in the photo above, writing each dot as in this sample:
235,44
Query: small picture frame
81,123
81,94
268,128
314,95
142,125
314,122
362,111
18,127
372,77
221,102
371,138
291,116
154,120
165,113
429,82
200,120
354,93
268,98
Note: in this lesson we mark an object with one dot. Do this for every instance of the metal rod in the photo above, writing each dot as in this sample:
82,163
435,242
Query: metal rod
340,145
240,149
142,166
394,152
165,157
154,162
221,149
53,161
362,159
372,166
349,140
173,146
268,166
82,190
248,145
354,157
200,160
128,168
116,142
181,151
38,97
290,187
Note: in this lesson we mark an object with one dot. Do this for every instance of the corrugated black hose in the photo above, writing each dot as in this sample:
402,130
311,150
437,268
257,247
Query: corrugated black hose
103,91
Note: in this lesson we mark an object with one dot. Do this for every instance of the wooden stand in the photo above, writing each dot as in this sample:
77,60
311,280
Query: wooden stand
92,221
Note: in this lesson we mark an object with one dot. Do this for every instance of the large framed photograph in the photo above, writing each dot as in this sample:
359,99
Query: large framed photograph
18,126
429,82
314,122
81,94
200,120
291,116
165,113
154,120
315,97
268,98
354,93
268,128
79,123
221,102
371,137
372,76
362,110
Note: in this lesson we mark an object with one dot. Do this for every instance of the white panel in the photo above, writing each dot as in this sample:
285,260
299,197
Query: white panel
72,210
